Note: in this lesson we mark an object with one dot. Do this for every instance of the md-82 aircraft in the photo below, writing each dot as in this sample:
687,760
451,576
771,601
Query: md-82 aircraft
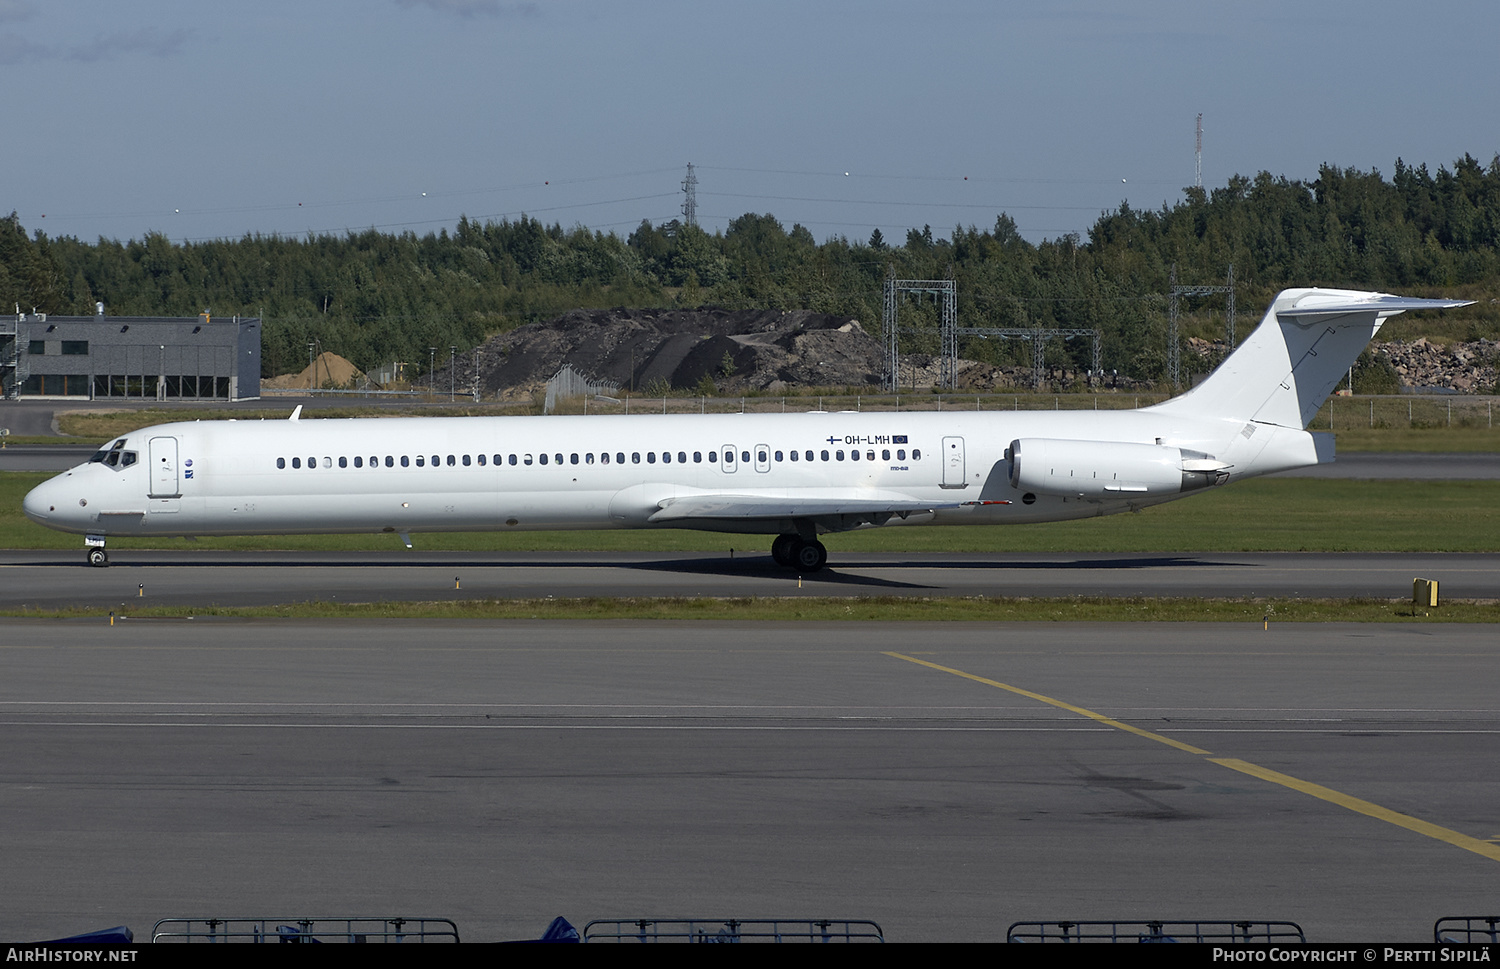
794,476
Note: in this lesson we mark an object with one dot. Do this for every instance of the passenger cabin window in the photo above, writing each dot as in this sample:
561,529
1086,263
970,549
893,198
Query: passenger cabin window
281,462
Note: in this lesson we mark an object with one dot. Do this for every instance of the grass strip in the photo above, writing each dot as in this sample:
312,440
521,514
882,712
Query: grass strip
828,609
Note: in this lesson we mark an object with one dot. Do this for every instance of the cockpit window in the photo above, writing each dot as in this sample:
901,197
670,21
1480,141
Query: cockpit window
103,453
114,457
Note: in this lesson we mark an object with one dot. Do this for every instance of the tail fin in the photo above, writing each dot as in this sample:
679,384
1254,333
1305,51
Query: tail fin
1284,370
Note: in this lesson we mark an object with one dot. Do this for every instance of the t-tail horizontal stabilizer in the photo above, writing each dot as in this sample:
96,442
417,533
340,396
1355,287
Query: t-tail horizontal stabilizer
1306,343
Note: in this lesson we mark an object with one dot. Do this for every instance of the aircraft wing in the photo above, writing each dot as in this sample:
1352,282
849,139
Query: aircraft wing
753,507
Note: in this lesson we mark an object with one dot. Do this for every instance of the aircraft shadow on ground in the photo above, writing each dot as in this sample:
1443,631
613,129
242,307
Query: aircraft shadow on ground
758,565
761,567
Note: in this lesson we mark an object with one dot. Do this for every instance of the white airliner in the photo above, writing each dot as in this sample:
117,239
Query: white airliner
795,476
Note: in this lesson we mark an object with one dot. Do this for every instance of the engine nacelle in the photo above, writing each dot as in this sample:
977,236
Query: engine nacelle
1109,469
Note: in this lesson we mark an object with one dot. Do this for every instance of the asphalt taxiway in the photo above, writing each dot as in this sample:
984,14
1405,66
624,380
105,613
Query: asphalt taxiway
53,579
943,780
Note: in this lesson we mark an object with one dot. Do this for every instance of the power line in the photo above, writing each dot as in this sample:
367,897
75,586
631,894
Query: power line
933,205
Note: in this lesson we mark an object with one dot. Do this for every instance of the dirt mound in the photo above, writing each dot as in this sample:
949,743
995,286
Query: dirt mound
642,350
656,351
328,370
1465,368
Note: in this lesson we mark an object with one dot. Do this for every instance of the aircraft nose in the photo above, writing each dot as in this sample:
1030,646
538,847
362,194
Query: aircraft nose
38,505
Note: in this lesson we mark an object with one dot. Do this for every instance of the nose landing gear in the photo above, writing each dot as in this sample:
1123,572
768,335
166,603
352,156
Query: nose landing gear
97,557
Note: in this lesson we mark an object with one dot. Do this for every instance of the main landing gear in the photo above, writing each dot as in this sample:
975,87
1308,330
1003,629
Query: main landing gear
795,552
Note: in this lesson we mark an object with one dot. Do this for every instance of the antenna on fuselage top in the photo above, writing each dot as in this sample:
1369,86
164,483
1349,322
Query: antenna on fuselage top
296,414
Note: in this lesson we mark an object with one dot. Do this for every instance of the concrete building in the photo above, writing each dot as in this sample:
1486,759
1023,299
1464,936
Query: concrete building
151,357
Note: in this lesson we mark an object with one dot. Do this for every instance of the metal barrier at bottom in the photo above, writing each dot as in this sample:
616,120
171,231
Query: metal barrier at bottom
305,930
1152,931
732,930
1467,928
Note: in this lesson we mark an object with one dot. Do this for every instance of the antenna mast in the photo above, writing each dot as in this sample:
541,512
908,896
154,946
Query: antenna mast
1197,160
690,204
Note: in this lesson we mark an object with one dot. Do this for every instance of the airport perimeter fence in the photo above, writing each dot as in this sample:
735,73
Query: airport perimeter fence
1464,929
1235,932
1342,413
732,930
306,930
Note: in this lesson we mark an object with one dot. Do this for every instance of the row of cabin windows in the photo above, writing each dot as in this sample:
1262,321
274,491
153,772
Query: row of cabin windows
666,457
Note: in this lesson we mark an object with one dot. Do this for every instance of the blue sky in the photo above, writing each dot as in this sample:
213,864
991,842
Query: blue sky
209,120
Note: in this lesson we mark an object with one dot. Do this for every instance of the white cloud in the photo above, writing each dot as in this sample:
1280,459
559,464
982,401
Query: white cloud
15,49
469,9
14,10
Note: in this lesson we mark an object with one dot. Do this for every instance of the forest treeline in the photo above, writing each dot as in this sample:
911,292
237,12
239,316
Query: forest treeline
375,297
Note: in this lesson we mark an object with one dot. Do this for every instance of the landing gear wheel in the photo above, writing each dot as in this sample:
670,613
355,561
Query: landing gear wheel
781,549
98,558
809,556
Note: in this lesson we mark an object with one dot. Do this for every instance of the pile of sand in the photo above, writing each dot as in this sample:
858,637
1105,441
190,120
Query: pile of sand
329,370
